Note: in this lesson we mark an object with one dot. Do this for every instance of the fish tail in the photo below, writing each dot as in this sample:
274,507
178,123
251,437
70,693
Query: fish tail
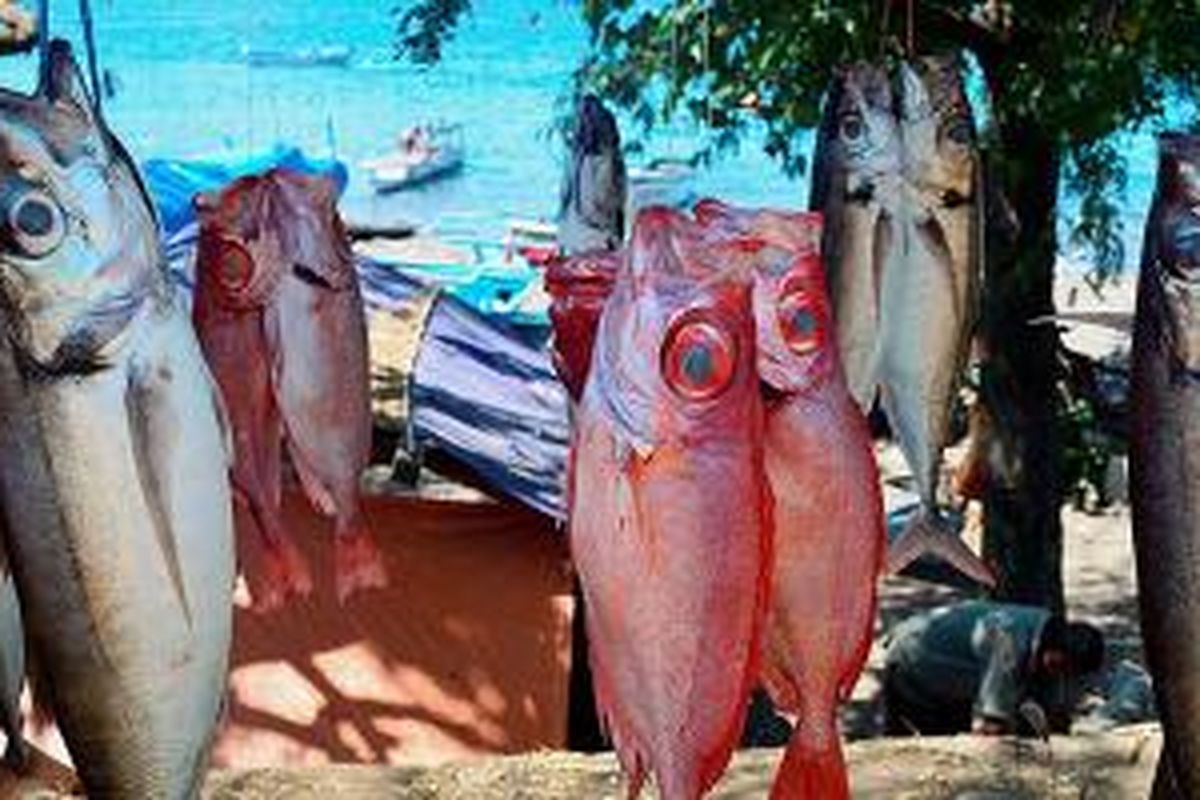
807,774
358,562
285,574
927,534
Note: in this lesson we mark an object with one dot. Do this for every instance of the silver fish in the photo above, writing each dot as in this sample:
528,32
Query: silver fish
592,212
929,295
12,669
1165,457
856,187
114,491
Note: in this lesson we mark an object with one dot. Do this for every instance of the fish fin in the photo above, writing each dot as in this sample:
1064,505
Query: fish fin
358,562
154,432
927,534
805,774
285,571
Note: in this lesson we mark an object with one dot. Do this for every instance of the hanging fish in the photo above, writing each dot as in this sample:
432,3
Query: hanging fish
12,669
669,529
828,511
856,187
114,493
232,291
591,228
929,296
280,313
1165,457
592,211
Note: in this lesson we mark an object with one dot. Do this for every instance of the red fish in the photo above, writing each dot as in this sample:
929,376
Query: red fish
578,287
670,526
829,532
308,329
233,288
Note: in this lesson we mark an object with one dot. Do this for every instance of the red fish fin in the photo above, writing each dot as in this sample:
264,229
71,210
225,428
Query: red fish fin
285,575
926,534
358,562
807,775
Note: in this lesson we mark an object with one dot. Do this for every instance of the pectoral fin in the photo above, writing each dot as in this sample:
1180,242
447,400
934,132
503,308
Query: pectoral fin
154,433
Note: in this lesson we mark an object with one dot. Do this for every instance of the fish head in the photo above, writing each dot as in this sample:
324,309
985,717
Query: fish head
796,349
592,209
861,131
262,227
1177,235
79,248
939,132
674,353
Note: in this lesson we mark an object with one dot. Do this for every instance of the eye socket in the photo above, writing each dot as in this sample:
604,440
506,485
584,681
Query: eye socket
801,320
234,266
35,223
959,132
699,358
852,126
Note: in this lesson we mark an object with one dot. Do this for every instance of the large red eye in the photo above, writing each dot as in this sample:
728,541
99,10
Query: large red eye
699,358
234,266
801,319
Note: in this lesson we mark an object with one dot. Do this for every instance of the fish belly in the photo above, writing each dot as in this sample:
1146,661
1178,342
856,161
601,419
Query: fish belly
855,292
829,541
1165,478
120,533
674,563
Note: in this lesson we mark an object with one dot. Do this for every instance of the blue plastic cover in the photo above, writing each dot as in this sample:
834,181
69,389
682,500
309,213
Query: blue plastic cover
174,182
484,393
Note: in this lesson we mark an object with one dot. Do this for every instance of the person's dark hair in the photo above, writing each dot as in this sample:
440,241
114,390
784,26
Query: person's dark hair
1081,643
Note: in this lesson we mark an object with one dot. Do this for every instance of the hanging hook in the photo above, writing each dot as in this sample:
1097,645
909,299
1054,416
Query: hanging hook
89,40
44,42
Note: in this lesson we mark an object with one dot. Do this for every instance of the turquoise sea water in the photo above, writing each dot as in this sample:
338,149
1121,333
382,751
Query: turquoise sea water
184,90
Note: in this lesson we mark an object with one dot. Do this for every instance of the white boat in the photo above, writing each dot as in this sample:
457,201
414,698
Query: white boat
661,182
327,56
426,153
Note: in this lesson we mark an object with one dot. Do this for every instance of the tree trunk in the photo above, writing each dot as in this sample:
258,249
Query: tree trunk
1022,500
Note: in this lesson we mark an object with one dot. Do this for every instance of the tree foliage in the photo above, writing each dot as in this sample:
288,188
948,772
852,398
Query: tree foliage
1079,70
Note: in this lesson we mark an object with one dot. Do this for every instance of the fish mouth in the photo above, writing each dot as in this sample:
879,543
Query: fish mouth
81,347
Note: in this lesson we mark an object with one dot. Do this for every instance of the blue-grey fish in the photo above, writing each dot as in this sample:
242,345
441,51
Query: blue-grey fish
929,294
114,488
592,213
1165,457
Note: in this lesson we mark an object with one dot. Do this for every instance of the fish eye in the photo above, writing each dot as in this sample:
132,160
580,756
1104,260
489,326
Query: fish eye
959,132
699,358
35,223
801,319
852,126
234,265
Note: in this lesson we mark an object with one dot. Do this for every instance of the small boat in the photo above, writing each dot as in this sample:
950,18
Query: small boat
661,182
327,56
426,153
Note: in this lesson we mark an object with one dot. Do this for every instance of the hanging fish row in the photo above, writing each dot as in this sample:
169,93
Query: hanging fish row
724,535
115,485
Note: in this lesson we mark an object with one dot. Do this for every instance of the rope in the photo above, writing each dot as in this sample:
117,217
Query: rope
44,42
89,40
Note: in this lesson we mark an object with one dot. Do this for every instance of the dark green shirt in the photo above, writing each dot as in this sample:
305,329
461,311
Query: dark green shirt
974,654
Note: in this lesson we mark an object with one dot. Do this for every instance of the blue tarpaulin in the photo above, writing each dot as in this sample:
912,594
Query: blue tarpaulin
483,393
174,182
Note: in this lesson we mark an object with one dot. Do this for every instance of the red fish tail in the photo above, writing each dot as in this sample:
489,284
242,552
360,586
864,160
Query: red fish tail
285,574
807,774
358,561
